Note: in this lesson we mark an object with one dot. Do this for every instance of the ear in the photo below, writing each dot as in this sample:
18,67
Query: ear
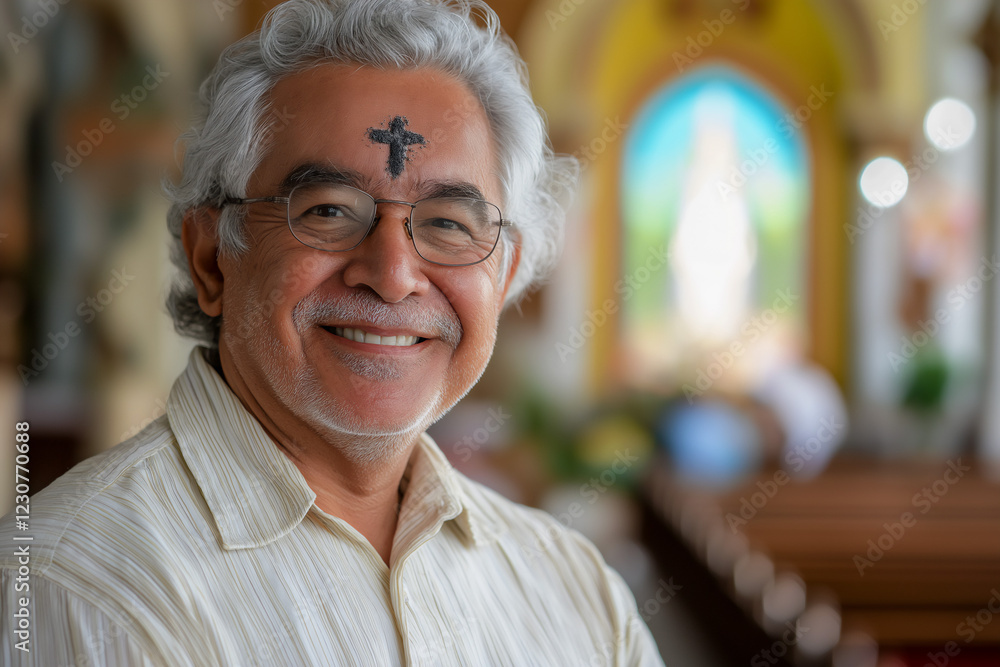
201,245
515,260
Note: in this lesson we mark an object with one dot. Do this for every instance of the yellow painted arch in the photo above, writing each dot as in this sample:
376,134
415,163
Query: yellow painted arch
595,60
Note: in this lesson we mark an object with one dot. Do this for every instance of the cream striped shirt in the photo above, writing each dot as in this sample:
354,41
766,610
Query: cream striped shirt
199,543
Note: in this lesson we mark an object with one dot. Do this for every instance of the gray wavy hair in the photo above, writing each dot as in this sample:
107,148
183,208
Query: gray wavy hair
460,37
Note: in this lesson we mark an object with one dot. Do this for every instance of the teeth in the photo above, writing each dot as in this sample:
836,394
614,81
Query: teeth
361,336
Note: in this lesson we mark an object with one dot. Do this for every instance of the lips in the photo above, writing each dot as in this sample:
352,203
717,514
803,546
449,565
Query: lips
362,336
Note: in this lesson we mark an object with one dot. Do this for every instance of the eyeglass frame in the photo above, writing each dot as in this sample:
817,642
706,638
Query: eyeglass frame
372,223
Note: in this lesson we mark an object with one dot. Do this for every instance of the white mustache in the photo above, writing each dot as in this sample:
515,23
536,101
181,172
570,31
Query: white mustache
366,308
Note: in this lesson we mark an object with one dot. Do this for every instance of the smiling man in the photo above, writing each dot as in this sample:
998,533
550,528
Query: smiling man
369,187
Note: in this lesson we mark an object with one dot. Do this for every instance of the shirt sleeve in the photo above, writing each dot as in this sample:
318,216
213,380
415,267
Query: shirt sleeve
633,644
636,647
64,630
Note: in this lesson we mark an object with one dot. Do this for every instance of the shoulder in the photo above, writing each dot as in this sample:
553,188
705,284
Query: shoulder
93,500
543,554
534,533
113,541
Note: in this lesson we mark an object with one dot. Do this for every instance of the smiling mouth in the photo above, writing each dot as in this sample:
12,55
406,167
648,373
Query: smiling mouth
362,336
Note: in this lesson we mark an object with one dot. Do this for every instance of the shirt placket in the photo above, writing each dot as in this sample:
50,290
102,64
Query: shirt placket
437,511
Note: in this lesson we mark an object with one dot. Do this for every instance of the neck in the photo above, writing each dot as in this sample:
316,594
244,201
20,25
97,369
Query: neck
362,490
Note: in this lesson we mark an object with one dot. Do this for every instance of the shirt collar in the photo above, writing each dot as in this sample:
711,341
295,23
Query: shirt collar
256,494
434,490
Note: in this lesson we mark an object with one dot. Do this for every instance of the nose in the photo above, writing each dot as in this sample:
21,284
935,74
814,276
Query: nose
386,260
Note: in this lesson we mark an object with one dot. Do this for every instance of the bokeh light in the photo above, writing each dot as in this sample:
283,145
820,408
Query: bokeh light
884,182
949,124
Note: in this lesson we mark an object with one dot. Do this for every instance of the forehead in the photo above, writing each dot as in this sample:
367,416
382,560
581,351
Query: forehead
342,116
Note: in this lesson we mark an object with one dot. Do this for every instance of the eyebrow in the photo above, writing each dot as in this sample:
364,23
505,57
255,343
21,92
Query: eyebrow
450,189
319,173
311,172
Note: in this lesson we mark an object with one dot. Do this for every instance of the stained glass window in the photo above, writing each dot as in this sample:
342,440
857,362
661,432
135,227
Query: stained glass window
716,174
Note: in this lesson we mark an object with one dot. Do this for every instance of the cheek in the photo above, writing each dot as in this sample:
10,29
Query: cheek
265,286
299,277
476,302
474,291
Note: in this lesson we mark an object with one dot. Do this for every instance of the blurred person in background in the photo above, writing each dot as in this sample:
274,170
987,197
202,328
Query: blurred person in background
369,186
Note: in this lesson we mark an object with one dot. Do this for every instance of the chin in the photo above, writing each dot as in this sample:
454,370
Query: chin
360,438
338,420
361,435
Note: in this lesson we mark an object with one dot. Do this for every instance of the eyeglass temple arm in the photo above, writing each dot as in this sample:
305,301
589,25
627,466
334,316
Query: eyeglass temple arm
271,200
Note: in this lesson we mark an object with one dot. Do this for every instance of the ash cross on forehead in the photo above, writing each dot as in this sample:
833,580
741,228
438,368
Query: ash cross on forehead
399,140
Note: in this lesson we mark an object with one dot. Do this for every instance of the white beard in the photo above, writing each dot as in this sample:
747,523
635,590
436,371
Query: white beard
298,387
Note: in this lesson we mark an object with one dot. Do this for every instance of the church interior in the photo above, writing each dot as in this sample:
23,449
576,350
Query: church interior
764,378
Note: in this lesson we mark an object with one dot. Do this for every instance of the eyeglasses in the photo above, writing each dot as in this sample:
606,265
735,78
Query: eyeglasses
452,231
